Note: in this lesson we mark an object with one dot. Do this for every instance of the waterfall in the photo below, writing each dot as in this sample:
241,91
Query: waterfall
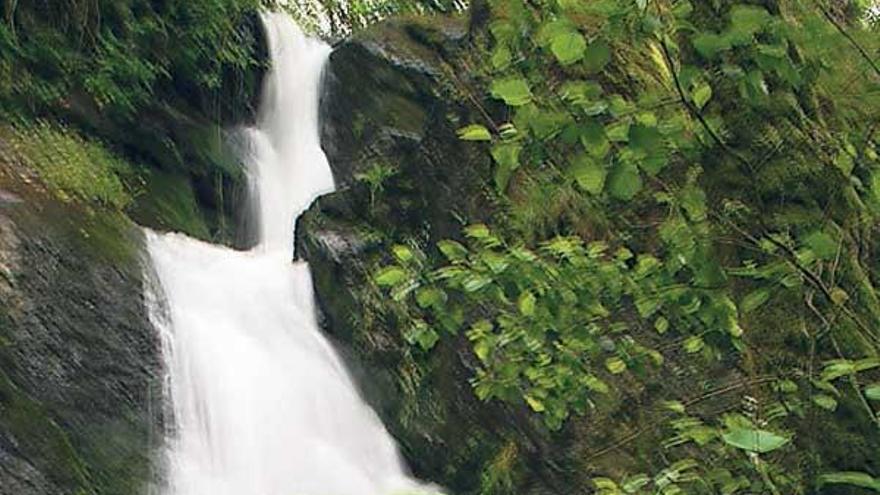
261,403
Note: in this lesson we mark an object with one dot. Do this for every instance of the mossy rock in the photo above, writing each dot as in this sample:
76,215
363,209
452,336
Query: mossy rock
81,389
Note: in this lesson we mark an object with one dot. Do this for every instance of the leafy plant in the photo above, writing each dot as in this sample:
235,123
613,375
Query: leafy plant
714,184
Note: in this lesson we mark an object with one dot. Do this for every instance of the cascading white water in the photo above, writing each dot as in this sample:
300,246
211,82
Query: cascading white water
261,403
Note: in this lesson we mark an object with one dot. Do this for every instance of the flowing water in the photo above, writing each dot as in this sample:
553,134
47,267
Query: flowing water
261,403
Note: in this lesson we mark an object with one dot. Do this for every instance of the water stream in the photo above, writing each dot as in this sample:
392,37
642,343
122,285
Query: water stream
261,403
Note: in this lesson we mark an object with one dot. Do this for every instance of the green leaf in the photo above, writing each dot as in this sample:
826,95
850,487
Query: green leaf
682,9
506,157
474,132
635,483
390,275
825,402
872,392
710,44
754,300
673,405
753,440
644,138
615,365
594,140
694,344
746,21
454,251
568,47
589,174
535,404
427,297
550,30
476,282
854,478
693,201
702,94
477,231
501,58
661,324
597,56
837,368
514,91
527,303
822,244
625,182
595,384
403,253
423,335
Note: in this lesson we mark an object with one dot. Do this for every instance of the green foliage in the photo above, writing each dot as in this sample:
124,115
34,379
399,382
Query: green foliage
119,52
71,166
375,178
671,177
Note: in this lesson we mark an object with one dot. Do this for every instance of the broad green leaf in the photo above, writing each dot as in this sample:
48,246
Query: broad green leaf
872,392
746,21
702,94
754,300
527,303
477,231
693,201
597,56
594,140
837,368
825,402
854,478
595,384
589,174
535,403
501,58
552,29
624,182
475,282
452,250
606,485
568,47
822,243
504,32
427,297
423,335
615,365
403,253
661,324
390,275
506,157
644,138
474,132
581,92
753,440
514,91
694,344
673,405
682,9
710,44
618,131
548,124
635,483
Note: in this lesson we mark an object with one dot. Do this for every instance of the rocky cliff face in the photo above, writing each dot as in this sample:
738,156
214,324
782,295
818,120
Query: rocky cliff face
389,131
80,379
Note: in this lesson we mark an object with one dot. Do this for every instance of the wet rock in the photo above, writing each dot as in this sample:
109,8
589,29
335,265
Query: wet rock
80,387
